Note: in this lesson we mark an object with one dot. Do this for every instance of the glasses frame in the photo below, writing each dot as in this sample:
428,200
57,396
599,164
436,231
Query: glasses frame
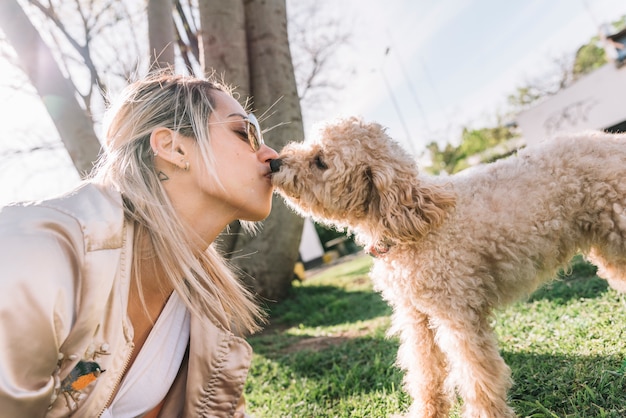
255,135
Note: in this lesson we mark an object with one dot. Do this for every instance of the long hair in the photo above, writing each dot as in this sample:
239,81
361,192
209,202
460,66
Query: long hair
182,104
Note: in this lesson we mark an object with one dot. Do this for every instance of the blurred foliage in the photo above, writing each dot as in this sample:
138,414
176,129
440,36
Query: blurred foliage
589,57
452,159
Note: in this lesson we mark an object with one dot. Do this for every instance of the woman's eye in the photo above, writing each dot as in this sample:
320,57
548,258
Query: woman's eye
319,163
242,134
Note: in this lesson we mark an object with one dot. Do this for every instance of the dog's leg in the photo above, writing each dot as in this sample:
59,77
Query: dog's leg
424,364
476,367
610,267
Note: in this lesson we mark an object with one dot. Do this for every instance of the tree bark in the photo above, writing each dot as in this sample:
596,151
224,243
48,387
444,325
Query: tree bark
223,32
274,97
161,33
57,92
247,43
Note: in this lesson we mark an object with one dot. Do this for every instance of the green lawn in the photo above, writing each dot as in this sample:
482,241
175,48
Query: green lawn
325,353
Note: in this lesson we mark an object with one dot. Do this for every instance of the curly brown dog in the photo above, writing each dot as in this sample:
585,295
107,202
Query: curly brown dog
451,249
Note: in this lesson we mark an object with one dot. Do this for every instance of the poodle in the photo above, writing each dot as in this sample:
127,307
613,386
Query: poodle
451,249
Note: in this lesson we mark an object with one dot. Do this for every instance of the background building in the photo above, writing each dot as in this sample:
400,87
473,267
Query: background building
595,101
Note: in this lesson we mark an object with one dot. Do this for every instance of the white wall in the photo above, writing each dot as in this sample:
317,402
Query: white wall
310,245
596,101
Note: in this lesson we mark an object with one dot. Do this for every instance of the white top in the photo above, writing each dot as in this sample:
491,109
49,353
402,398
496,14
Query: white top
150,377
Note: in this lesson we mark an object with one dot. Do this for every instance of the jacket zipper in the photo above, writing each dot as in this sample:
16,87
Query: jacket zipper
119,380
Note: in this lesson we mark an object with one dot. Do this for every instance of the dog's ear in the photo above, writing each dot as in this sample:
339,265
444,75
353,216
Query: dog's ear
402,206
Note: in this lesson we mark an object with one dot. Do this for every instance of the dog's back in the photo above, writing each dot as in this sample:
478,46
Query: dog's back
527,215
574,178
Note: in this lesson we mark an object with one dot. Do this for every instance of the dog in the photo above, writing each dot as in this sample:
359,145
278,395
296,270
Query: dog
451,249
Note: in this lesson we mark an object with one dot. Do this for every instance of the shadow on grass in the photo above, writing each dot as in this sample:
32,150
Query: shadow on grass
350,377
563,290
545,385
314,306
557,385
578,281
341,366
307,374
327,305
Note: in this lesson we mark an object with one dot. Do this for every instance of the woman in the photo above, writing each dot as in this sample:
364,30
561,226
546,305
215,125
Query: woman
113,302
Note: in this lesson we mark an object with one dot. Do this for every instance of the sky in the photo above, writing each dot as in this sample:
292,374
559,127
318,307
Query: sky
422,68
426,68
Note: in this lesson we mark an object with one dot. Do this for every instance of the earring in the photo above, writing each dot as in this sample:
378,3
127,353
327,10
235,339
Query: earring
156,153
186,166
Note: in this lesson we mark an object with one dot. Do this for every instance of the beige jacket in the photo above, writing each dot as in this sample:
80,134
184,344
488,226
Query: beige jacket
64,280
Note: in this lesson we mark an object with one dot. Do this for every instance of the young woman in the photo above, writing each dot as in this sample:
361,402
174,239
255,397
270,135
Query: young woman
113,302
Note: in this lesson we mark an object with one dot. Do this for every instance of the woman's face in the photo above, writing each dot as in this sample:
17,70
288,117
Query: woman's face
244,173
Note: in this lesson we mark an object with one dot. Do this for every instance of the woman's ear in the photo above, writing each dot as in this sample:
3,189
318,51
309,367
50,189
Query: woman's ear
166,145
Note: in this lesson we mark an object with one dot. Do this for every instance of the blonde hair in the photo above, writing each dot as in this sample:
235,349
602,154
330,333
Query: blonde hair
182,104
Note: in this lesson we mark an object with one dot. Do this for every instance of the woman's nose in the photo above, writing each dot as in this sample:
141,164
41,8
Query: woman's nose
268,153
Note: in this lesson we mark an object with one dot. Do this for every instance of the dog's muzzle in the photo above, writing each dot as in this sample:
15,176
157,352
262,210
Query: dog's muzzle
275,165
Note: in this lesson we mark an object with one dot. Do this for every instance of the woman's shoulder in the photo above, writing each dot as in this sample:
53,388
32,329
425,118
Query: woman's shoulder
92,210
87,201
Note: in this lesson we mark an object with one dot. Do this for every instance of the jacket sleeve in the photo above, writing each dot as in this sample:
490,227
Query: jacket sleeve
41,251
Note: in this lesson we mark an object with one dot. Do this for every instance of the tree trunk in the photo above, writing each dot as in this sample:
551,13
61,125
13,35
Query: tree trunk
224,51
161,33
75,127
274,92
224,42
246,42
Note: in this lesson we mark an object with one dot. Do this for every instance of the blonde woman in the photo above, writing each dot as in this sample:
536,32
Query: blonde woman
113,302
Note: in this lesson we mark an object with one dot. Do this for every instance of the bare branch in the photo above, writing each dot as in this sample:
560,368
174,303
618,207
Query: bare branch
188,45
316,41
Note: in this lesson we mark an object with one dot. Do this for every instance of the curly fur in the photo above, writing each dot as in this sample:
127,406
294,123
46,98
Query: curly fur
462,245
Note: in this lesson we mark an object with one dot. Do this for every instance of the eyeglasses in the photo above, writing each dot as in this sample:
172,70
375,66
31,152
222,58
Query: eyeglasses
255,135
253,132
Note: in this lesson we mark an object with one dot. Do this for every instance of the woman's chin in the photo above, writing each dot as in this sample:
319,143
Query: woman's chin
256,216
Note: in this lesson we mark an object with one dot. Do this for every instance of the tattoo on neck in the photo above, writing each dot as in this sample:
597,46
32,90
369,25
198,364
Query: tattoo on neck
162,176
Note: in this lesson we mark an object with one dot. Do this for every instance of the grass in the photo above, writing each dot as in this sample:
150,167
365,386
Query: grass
325,353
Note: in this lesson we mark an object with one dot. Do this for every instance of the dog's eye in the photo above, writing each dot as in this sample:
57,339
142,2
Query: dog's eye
319,163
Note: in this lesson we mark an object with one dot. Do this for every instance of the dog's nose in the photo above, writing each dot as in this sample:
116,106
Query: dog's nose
275,165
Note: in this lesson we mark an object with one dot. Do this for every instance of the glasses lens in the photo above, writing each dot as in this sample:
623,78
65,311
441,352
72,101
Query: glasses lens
254,133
